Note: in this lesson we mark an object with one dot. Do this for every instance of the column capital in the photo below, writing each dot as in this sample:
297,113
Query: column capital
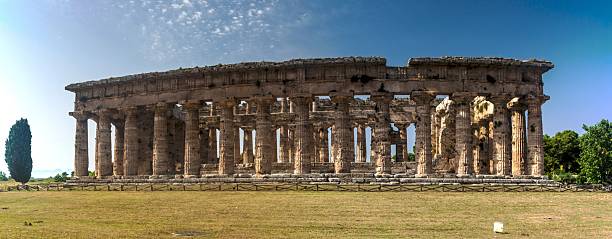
227,102
516,104
422,97
80,115
463,97
381,96
534,100
502,98
337,97
191,104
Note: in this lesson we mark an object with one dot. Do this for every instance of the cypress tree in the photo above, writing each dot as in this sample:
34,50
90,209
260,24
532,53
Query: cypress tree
18,151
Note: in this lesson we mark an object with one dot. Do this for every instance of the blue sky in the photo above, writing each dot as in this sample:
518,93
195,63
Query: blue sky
45,45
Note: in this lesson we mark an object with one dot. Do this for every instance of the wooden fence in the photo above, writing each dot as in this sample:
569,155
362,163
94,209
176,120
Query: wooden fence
311,187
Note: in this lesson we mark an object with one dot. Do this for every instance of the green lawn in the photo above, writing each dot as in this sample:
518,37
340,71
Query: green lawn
303,214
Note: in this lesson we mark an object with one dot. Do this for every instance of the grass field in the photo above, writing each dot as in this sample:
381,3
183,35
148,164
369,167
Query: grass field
303,214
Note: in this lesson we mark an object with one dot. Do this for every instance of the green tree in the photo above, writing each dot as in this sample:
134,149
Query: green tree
3,176
61,177
561,152
596,156
18,151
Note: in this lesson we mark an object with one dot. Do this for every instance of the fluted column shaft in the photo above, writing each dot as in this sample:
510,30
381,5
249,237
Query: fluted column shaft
264,149
501,135
105,164
519,138
204,145
382,128
303,135
463,133
212,148
423,131
401,154
324,145
81,154
130,154
361,145
284,144
344,154
119,147
192,139
160,139
226,160
247,152
237,155
535,134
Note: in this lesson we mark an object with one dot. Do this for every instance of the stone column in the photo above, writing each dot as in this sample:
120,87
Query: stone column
81,154
264,149
105,164
160,139
423,131
284,144
303,135
361,144
501,134
481,147
226,149
130,154
324,145
247,152
401,148
237,155
463,133
212,147
382,128
192,139
118,162
535,134
519,137
344,154
204,145
291,143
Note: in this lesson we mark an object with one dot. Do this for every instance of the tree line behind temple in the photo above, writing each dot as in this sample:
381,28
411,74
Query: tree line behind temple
568,157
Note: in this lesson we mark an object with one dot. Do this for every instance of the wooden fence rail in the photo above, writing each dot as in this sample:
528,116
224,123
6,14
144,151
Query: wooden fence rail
310,187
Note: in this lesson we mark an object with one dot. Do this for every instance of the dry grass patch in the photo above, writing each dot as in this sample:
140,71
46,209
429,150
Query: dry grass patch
302,214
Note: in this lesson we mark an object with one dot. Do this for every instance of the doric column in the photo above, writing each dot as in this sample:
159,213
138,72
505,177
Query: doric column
130,154
81,154
344,154
519,137
247,152
160,139
303,135
401,154
423,131
226,149
105,164
361,144
501,134
263,126
291,143
463,132
382,128
204,145
324,145
118,157
212,145
481,147
535,134
237,155
192,139
284,144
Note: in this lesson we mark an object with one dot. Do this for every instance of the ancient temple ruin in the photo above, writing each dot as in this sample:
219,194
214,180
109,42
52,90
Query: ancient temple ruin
473,116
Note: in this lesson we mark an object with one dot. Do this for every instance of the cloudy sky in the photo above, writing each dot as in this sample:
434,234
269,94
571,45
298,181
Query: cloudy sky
45,45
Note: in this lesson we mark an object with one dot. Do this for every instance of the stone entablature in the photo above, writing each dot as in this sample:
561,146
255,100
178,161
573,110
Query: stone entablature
169,121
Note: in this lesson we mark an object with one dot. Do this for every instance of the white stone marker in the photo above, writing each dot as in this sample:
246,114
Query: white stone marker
498,227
